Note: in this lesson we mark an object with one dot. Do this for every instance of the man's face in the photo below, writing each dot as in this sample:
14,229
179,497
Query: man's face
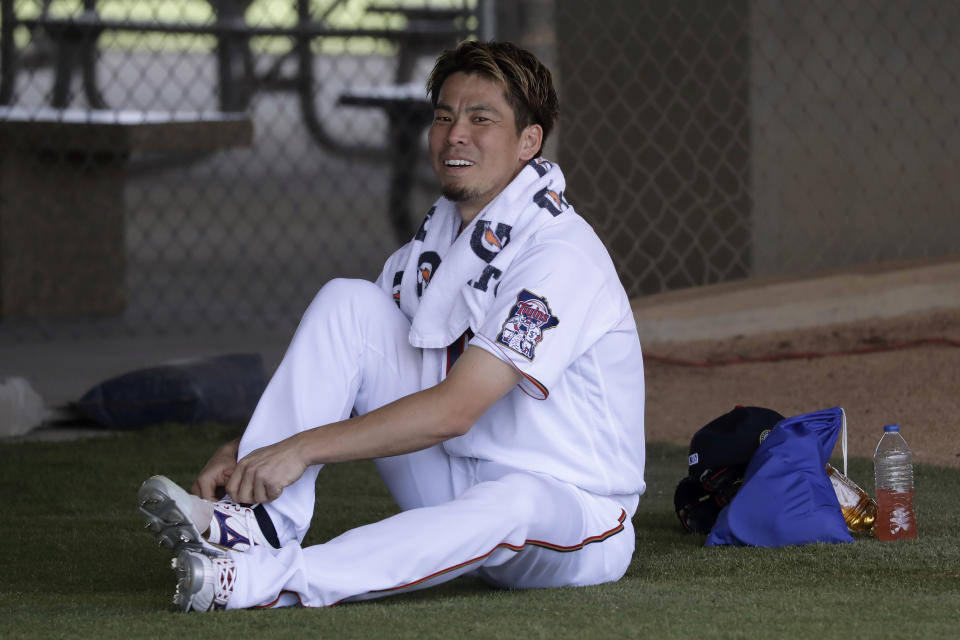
474,144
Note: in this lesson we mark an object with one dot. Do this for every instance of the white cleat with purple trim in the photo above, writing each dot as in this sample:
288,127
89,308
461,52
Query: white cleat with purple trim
180,520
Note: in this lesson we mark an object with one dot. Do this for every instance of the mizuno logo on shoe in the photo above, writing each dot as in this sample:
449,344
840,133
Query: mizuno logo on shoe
229,537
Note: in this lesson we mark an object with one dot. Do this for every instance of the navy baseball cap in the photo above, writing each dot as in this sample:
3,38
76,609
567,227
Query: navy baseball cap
730,440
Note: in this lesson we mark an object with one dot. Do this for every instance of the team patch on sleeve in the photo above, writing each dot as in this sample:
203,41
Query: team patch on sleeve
524,327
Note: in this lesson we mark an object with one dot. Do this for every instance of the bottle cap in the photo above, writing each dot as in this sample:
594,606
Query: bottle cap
887,428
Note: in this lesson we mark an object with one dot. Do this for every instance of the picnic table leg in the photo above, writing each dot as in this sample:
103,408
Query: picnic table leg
8,68
406,123
88,67
75,45
88,60
66,56
235,67
403,146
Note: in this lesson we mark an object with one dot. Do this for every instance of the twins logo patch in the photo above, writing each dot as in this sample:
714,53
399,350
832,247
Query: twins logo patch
528,319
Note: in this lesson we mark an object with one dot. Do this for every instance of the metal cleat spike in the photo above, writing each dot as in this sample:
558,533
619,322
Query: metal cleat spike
174,563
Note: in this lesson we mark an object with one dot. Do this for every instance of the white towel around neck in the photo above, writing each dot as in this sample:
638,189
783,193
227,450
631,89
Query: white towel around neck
448,284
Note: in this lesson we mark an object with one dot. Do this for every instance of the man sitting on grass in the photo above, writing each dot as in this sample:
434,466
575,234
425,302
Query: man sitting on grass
495,376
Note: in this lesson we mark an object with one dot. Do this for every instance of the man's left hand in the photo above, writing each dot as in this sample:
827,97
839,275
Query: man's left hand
262,475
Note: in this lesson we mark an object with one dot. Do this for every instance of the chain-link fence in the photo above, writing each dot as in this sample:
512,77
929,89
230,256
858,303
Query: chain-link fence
239,233
716,140
706,141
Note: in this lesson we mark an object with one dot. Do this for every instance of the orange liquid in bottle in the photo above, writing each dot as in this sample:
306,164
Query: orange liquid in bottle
895,516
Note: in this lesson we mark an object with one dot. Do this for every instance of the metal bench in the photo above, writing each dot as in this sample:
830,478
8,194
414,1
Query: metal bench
62,176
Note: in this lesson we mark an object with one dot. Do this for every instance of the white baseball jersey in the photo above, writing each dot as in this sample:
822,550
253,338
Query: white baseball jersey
564,321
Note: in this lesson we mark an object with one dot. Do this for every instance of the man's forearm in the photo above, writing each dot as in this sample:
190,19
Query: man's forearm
409,424
417,421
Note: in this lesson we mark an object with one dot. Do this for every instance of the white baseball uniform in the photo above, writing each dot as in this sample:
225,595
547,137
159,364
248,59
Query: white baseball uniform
540,491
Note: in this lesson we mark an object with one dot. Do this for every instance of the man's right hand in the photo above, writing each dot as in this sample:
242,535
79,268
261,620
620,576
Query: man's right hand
215,475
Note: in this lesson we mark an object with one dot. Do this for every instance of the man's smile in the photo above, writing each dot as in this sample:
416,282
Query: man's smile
456,163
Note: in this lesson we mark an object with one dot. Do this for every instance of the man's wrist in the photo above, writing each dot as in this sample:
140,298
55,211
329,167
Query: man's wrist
230,449
303,446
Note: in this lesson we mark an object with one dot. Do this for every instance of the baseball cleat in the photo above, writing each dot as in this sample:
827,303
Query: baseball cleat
203,583
180,520
174,516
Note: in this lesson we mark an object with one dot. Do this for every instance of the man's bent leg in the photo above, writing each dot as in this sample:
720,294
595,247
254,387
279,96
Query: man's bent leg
351,348
554,533
418,479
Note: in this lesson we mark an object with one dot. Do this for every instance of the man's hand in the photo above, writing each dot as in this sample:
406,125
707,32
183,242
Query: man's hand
215,475
262,475
414,422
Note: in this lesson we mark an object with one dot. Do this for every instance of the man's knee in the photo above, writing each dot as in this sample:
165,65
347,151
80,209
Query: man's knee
346,291
348,298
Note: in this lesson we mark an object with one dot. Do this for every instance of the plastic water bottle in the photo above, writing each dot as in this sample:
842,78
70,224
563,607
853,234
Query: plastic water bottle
893,473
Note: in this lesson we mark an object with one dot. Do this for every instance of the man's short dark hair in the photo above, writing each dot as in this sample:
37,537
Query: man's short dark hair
527,83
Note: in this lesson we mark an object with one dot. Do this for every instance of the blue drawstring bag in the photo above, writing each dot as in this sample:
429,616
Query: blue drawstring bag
786,497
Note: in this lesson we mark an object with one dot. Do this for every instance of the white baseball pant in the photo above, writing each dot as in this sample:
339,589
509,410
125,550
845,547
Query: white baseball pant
513,528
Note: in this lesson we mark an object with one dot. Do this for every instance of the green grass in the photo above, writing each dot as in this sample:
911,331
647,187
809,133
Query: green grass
75,563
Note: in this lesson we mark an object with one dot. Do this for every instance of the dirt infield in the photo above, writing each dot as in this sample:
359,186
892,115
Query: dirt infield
868,373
